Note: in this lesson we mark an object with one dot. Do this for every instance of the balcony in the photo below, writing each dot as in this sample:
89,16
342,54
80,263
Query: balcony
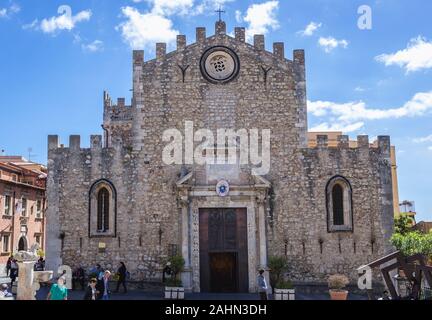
24,219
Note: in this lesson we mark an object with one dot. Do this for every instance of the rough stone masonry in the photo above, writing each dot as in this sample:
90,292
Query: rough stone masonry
151,210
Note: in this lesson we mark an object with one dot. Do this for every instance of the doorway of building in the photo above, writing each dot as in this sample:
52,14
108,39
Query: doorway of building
22,244
223,272
223,250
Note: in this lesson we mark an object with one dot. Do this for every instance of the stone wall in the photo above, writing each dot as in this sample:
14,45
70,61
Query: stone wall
298,227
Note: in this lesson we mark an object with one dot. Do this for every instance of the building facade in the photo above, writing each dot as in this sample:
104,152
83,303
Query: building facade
423,227
327,209
333,141
22,206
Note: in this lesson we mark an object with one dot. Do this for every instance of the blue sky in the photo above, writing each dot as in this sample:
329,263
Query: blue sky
55,64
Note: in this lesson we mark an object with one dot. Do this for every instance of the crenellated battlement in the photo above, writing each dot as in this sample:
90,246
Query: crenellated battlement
325,141
116,112
96,144
220,31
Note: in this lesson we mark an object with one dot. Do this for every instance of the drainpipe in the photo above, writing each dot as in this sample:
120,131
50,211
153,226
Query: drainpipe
43,222
13,222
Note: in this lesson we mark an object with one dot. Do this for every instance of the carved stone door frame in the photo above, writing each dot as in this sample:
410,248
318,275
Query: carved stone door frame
252,197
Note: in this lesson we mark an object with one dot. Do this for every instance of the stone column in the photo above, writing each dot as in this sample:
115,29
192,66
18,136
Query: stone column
262,231
262,236
185,232
53,242
253,251
187,274
25,281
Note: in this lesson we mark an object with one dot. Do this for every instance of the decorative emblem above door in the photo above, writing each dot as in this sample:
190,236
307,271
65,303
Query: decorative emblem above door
222,188
220,64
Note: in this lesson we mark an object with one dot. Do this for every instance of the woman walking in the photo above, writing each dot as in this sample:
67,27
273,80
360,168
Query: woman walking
121,273
262,285
8,266
13,271
106,290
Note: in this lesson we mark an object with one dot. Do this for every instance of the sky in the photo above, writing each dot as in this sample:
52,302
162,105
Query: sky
369,67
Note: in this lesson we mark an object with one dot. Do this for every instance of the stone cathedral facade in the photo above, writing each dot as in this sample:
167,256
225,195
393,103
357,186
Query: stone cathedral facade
326,209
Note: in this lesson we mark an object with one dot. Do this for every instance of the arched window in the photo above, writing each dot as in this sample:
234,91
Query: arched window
102,209
339,205
22,244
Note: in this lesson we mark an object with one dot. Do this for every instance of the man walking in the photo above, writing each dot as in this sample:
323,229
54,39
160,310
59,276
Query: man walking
121,273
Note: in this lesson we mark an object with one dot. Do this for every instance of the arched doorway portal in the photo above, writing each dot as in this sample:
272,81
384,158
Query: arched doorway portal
22,244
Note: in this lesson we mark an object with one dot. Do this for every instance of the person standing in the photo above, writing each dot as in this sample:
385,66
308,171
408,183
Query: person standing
91,292
8,266
262,285
58,291
78,276
99,276
13,271
121,273
40,265
106,290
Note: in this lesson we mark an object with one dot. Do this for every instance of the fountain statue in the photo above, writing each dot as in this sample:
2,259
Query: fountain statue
28,279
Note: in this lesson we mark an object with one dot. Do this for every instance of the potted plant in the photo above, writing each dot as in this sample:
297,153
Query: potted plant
336,285
282,290
174,289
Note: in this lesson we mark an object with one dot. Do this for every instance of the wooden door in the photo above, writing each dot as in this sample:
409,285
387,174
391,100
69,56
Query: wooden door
223,250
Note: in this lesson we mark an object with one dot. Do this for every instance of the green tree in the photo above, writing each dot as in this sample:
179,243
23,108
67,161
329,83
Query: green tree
413,243
177,266
278,266
403,224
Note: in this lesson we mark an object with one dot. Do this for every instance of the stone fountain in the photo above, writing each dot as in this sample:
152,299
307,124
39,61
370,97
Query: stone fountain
28,279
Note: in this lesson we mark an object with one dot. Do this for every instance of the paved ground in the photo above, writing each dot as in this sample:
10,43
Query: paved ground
139,295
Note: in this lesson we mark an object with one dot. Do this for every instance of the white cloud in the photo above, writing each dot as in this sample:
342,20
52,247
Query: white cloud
144,29
239,17
352,115
430,148
94,46
330,43
209,6
33,25
417,56
261,18
310,29
170,7
345,128
64,21
11,10
359,89
419,105
423,139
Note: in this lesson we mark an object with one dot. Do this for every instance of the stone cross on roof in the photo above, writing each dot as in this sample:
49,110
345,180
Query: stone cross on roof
220,11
